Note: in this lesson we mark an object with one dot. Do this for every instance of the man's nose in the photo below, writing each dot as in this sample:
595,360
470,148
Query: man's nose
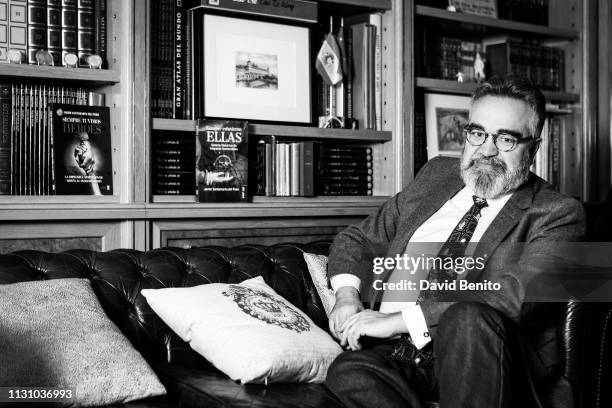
488,148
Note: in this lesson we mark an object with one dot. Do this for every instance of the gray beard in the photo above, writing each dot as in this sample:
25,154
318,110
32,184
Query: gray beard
495,179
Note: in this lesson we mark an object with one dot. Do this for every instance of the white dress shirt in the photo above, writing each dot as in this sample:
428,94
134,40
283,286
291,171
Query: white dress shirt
436,229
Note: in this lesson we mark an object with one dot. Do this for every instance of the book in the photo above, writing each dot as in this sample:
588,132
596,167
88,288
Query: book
100,30
17,27
54,30
4,28
37,28
82,149
85,31
304,11
221,160
179,61
69,28
5,139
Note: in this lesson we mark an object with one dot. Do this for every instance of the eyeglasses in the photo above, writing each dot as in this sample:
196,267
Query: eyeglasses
504,142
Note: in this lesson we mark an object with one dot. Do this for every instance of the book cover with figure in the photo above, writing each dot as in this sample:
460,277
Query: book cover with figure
82,150
222,160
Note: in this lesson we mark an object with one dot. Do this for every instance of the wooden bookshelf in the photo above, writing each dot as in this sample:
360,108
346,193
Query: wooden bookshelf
303,132
498,26
467,88
91,77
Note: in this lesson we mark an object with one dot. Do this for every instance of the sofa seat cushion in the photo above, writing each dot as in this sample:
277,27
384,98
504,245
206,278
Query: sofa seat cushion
209,387
165,401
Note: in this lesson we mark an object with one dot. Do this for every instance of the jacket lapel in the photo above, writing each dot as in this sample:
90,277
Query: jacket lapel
501,226
445,188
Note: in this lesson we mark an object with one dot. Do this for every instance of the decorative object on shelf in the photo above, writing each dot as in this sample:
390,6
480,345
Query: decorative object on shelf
15,56
94,61
71,60
451,7
43,57
256,70
82,149
329,66
479,66
445,117
222,160
486,8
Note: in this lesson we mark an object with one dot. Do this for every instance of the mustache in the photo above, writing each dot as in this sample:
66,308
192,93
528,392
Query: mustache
495,162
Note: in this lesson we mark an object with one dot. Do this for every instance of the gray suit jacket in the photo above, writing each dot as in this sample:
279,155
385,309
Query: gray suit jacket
535,215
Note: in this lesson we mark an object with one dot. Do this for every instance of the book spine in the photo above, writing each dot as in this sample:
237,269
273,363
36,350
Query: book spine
5,139
187,100
376,21
100,30
4,30
69,28
54,30
85,31
349,77
307,170
296,165
346,191
37,28
298,10
178,54
18,27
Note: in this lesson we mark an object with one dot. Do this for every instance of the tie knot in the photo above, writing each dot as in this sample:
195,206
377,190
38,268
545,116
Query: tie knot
480,202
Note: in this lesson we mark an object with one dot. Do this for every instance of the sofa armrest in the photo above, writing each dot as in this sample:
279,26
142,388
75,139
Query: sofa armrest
588,348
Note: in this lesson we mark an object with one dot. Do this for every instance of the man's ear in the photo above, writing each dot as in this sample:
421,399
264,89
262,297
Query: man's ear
534,150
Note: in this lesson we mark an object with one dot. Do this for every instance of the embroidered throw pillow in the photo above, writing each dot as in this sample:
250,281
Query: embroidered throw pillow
317,267
247,331
54,333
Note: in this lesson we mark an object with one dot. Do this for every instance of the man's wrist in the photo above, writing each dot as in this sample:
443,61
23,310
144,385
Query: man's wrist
347,292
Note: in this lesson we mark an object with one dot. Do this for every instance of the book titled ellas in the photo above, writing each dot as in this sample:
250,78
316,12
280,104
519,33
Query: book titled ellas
82,150
221,160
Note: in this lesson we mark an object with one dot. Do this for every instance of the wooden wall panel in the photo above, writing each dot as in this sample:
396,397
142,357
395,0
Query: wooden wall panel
56,236
190,233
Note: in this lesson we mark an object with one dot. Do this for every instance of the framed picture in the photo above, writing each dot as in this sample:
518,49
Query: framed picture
445,117
256,70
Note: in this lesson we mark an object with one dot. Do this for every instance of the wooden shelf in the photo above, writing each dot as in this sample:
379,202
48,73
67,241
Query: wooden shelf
371,4
56,199
466,88
170,207
495,25
63,74
71,212
303,132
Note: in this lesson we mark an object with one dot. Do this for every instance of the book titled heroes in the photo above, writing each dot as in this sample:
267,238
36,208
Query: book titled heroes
221,160
82,150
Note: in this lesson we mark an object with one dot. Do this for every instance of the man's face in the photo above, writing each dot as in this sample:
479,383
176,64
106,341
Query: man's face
488,171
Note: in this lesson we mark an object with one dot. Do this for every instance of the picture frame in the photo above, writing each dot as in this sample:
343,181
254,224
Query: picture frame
445,117
256,70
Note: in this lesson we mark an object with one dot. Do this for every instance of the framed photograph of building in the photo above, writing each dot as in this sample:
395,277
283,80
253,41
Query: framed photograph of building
256,70
445,117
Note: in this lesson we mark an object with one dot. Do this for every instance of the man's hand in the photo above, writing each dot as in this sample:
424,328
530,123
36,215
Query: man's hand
372,324
347,305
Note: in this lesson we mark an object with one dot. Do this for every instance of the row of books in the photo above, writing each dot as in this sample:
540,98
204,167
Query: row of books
51,142
358,98
168,92
526,11
58,26
547,162
544,66
451,58
284,169
344,170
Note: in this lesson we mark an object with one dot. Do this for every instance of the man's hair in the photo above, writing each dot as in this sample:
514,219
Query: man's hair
516,88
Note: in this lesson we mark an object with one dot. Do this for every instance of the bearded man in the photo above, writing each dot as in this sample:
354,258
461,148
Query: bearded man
486,348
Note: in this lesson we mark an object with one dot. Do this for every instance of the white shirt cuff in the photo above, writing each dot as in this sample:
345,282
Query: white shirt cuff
417,326
345,279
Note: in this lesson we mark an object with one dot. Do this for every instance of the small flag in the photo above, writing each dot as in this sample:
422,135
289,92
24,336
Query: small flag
328,61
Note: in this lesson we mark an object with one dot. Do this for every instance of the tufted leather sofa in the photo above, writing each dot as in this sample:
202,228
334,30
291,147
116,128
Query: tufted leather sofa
118,276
